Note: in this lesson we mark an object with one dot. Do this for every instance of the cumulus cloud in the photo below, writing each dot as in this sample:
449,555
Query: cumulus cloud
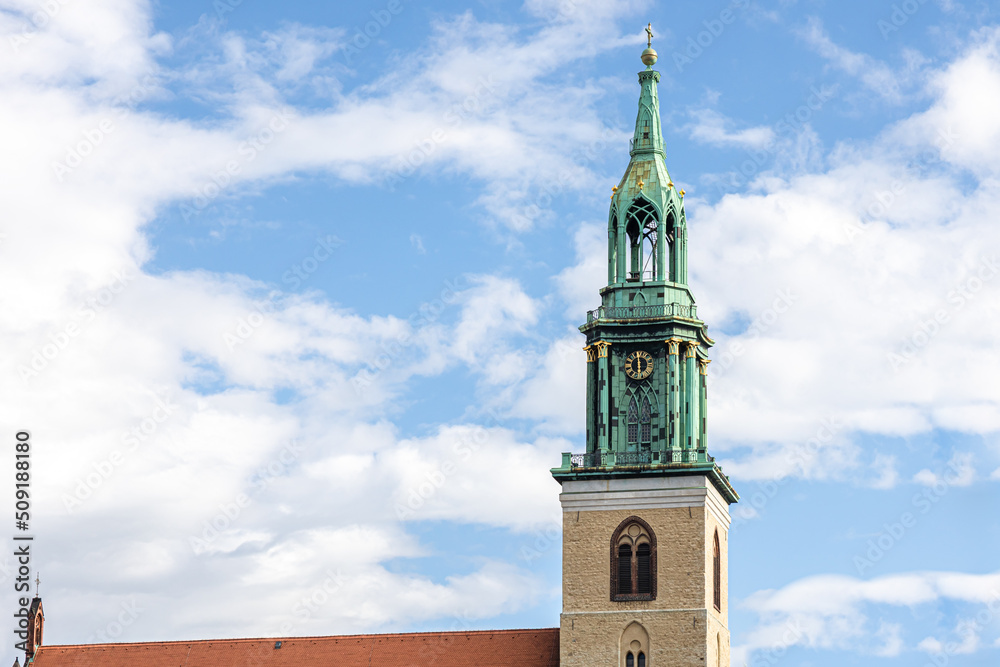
835,611
711,127
799,260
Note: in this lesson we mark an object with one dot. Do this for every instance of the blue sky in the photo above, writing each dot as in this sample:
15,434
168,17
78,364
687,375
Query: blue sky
322,290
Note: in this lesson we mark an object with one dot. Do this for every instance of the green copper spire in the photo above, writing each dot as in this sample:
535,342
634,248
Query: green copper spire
648,137
647,397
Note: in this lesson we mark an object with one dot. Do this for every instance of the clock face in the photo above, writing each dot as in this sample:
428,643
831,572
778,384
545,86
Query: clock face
638,365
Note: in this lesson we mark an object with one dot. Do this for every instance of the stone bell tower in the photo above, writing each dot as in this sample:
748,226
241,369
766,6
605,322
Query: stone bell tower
645,508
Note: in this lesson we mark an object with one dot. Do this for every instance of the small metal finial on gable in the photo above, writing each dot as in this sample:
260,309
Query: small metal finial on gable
38,583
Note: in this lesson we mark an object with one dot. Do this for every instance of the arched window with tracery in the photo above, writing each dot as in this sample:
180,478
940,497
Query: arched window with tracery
633,561
639,420
641,228
717,574
634,646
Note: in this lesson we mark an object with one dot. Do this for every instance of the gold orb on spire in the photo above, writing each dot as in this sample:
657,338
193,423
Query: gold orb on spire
649,55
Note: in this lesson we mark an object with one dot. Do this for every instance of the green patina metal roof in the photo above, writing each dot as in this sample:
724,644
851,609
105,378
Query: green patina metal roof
646,175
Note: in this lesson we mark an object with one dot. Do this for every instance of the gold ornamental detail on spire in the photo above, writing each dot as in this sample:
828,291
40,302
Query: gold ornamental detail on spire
591,353
690,348
602,349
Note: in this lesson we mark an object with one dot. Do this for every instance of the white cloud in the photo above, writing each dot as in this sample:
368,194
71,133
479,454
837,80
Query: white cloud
885,468
960,471
930,645
580,283
833,611
968,640
711,127
891,635
890,233
875,75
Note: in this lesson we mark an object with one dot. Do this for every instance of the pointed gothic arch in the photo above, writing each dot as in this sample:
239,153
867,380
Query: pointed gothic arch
642,233
633,561
640,415
670,236
613,246
634,645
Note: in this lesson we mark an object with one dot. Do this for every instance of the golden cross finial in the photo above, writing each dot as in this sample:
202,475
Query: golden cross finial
649,35
641,184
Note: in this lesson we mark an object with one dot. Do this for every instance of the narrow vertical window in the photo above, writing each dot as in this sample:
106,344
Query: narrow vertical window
642,575
630,660
625,569
645,432
717,574
642,659
633,421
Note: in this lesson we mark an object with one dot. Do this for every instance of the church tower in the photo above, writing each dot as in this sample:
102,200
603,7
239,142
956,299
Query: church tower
645,508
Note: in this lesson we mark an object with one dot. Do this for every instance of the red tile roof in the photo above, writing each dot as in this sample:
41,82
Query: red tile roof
489,648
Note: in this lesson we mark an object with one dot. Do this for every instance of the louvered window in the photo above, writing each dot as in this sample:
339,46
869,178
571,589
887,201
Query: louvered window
642,575
625,569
